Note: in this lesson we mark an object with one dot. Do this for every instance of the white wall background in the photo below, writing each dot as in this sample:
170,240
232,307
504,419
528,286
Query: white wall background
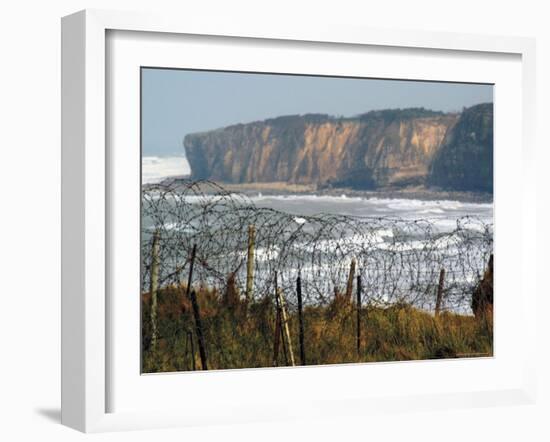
30,215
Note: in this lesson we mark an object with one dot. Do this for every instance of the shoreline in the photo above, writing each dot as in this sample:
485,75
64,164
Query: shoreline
284,188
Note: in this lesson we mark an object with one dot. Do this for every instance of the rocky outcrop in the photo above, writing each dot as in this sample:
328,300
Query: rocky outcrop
390,148
465,159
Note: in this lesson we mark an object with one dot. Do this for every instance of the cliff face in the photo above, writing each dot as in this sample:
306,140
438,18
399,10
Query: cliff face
465,159
377,149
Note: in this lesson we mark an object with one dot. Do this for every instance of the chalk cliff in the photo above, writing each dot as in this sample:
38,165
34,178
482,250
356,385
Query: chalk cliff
389,148
465,159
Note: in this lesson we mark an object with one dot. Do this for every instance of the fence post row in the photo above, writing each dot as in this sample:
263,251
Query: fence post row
282,327
439,297
155,267
250,262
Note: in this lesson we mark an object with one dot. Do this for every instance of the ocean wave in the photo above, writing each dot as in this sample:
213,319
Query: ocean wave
310,197
154,169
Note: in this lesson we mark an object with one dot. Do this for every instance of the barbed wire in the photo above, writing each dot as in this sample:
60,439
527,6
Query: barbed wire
398,260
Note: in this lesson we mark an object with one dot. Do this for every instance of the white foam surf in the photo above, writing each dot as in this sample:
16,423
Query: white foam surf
155,169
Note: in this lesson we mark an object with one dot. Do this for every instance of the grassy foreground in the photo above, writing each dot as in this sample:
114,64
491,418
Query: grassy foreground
240,336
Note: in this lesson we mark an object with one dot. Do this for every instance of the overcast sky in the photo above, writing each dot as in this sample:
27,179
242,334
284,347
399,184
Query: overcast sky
178,102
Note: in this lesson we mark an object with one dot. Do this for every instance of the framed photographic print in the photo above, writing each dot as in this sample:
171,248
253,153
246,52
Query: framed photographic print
291,240
250,214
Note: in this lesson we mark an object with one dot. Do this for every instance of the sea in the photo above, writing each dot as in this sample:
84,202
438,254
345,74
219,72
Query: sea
465,243
442,212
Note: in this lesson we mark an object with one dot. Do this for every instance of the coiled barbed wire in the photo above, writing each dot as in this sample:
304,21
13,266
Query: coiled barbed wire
398,260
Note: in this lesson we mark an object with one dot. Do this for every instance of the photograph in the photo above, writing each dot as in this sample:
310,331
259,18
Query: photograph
302,220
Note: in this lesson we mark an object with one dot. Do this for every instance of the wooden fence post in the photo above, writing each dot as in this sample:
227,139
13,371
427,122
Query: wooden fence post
359,314
198,326
283,341
439,297
351,277
155,267
285,327
250,262
191,348
277,335
196,311
300,320
192,264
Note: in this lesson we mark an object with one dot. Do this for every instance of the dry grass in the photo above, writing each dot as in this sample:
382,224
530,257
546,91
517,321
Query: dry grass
241,336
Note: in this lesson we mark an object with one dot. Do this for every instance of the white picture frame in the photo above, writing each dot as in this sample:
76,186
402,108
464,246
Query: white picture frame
86,206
